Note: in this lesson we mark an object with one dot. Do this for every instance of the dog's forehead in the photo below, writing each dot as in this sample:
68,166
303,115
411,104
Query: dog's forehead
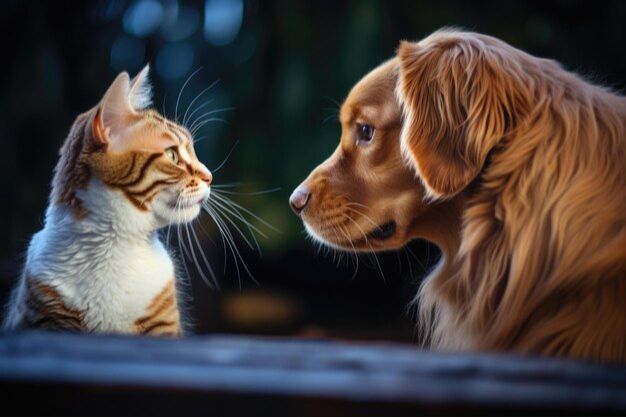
374,90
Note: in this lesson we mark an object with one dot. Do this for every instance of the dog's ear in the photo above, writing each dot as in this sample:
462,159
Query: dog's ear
450,90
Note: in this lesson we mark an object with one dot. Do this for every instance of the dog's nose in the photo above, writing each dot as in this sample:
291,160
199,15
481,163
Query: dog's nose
299,198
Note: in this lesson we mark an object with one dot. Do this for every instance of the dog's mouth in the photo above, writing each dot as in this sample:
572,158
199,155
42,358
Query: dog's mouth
384,231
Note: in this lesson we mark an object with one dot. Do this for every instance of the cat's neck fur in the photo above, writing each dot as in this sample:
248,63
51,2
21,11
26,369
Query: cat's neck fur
108,213
111,257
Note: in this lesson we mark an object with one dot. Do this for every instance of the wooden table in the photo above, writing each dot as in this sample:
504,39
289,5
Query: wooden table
54,373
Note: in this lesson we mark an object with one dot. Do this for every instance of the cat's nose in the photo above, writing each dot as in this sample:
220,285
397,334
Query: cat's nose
300,198
204,174
207,177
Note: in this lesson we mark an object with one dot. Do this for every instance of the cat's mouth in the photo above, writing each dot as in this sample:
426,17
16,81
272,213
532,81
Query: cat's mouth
185,203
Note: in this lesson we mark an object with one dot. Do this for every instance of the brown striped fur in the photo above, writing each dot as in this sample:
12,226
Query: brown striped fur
162,317
83,155
151,162
45,309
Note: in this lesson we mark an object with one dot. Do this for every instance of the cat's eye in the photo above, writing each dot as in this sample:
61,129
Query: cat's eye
364,133
172,155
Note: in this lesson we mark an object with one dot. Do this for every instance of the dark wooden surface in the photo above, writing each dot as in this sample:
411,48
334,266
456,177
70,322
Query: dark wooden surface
52,373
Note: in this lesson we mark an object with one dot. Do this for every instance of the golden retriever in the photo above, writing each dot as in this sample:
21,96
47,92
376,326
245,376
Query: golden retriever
514,167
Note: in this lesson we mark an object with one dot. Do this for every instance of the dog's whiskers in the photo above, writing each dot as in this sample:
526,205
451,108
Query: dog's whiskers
367,242
366,217
354,251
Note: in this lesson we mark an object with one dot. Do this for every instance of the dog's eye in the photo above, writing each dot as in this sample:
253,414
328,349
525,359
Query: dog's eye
364,133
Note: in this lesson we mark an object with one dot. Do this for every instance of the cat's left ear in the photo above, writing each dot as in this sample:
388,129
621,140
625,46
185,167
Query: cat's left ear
122,101
140,95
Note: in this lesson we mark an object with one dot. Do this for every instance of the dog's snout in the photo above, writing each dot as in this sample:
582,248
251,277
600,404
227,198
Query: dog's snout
300,198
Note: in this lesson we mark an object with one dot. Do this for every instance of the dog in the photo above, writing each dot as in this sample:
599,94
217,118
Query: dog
514,167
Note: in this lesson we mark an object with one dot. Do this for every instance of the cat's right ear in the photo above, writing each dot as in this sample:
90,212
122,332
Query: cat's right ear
120,105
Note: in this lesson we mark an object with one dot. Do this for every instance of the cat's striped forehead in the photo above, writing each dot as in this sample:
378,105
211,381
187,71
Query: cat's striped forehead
149,131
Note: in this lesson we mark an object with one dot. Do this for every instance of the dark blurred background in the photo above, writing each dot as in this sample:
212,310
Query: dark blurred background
282,66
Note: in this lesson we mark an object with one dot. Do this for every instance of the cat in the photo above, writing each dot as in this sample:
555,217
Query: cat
124,172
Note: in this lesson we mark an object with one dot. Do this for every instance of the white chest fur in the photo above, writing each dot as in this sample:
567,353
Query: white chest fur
110,266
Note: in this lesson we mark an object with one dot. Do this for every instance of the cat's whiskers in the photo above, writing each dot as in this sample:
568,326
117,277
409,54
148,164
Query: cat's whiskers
203,120
225,159
225,212
230,241
230,207
226,185
184,123
251,228
181,243
270,190
169,226
197,109
245,210
180,93
196,262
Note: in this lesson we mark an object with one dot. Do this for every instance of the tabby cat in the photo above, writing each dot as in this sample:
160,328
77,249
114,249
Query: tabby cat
98,265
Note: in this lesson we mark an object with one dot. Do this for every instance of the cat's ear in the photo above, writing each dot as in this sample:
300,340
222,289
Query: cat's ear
122,101
141,90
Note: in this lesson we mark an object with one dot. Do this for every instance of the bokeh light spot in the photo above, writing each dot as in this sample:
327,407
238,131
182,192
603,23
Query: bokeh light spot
143,17
184,23
174,60
222,21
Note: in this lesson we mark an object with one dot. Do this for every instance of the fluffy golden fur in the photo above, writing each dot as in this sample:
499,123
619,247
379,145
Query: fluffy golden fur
519,175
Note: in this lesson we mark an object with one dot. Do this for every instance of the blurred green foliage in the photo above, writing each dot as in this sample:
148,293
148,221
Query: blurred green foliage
282,73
